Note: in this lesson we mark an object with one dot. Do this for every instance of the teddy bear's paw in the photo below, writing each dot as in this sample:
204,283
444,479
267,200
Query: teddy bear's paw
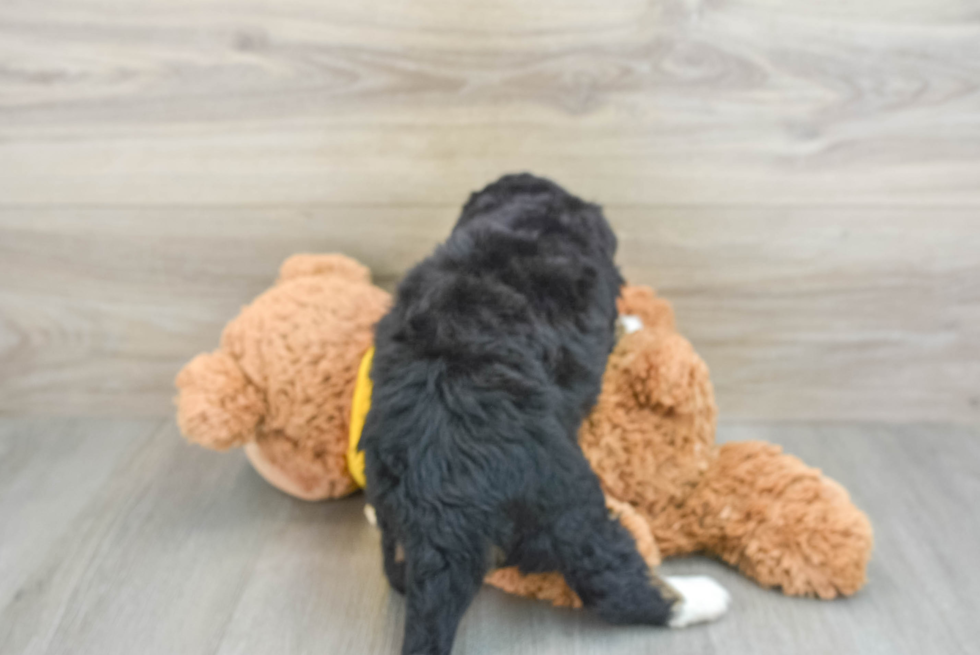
702,599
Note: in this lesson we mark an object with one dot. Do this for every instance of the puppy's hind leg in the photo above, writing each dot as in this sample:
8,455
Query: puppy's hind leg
444,571
599,560
392,551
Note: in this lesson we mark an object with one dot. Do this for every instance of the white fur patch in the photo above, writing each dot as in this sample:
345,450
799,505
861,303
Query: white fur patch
702,599
369,514
631,323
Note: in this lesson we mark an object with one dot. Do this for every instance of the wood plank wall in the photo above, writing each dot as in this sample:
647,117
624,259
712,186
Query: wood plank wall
802,179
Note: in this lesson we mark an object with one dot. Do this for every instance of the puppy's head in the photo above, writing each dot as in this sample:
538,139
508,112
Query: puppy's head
525,202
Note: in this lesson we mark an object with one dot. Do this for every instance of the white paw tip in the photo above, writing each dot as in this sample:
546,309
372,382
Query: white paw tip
631,323
369,514
702,599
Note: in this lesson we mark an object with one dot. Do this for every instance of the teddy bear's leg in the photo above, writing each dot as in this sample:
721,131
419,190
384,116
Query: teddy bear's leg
780,522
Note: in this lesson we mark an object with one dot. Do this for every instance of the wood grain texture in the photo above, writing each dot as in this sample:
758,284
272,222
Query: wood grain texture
859,314
799,178
168,548
664,102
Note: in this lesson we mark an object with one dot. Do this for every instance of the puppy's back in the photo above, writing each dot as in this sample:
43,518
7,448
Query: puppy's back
514,314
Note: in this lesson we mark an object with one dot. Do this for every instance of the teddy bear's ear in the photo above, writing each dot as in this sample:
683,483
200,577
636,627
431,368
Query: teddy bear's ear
642,302
217,406
326,265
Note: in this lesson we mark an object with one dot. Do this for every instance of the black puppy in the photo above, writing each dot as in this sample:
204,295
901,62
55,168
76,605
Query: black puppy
484,369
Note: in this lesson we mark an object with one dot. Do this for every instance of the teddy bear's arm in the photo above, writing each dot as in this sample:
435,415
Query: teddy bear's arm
780,522
217,406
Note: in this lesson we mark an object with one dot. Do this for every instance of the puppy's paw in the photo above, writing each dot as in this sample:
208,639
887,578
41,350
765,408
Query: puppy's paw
370,515
702,599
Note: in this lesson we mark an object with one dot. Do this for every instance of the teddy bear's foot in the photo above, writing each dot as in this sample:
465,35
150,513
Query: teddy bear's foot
779,521
702,599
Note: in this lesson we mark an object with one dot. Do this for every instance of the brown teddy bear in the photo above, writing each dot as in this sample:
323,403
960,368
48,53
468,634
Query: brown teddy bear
283,381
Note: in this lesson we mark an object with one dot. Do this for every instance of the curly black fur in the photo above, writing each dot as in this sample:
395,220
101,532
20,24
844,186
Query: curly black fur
485,367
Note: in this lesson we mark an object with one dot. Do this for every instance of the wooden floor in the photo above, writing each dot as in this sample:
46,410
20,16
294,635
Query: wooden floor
117,537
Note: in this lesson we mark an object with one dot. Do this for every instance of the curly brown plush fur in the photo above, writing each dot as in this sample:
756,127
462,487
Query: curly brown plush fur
650,439
282,381
284,389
